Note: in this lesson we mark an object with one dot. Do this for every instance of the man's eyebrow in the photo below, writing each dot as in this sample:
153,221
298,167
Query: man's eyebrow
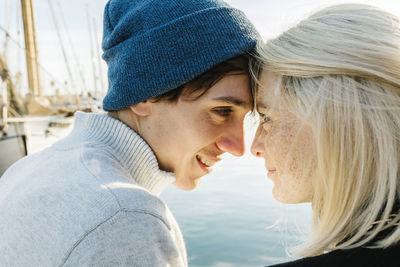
233,100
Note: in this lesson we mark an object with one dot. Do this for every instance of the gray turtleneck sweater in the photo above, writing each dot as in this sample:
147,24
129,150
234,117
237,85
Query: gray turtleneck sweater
91,199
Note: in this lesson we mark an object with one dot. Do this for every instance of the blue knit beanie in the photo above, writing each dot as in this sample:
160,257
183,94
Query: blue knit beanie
154,46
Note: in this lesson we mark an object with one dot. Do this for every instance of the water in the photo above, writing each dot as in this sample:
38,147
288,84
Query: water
233,220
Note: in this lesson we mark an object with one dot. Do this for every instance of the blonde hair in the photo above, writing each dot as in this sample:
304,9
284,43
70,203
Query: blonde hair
340,70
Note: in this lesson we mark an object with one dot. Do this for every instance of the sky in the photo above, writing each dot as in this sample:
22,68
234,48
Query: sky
74,17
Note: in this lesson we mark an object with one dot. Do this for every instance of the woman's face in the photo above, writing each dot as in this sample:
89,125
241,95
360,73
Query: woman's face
286,145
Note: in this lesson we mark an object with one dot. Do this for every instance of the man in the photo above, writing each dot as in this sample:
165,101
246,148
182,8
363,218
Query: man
178,93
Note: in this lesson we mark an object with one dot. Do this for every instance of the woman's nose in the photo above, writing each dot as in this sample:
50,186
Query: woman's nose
257,147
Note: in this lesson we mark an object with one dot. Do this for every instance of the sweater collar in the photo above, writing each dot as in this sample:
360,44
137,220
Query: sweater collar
128,147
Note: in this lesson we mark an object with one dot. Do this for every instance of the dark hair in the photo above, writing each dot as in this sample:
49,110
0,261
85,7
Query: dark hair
197,87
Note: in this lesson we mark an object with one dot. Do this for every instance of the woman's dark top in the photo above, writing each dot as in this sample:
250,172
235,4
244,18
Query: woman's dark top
363,257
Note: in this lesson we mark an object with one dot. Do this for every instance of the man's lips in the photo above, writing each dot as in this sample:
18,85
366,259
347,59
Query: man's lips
208,161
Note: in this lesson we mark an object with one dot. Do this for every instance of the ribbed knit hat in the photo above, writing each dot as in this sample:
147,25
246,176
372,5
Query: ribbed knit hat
154,46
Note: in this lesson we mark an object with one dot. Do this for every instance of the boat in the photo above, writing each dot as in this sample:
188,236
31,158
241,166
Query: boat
33,122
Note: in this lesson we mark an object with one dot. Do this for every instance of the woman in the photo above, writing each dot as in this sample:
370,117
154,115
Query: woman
329,103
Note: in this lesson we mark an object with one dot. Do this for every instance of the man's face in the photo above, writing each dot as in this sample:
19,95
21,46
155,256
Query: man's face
189,136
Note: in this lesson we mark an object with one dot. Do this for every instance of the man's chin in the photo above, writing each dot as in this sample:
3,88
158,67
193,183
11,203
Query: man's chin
188,184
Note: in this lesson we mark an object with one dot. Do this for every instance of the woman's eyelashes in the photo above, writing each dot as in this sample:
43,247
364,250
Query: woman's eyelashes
264,118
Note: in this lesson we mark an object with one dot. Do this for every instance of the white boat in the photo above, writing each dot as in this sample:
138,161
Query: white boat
31,124
21,136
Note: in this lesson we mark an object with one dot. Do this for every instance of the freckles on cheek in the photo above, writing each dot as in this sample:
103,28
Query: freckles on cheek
278,143
302,166
288,148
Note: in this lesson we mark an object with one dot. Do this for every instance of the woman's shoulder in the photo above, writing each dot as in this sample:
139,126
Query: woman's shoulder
366,257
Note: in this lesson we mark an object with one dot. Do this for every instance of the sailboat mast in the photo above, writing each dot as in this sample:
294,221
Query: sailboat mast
31,47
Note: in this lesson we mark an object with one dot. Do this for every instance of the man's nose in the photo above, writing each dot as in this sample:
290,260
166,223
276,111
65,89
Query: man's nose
232,140
257,147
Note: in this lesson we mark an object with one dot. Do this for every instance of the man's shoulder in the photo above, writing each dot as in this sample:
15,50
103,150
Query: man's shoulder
134,198
64,203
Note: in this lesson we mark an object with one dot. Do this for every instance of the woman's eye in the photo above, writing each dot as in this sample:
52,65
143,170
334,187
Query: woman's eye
223,111
264,118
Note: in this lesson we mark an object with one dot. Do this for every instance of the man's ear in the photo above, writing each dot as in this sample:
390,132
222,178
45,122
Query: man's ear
142,109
